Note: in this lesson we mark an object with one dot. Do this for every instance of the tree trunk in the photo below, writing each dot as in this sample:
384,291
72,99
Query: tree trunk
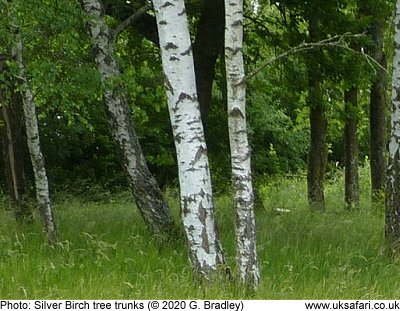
392,228
351,148
249,273
194,175
206,49
148,195
14,146
378,115
33,141
317,154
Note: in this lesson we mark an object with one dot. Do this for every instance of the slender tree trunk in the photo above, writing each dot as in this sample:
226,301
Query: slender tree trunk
33,141
317,154
194,175
393,185
14,146
249,273
351,148
148,195
378,115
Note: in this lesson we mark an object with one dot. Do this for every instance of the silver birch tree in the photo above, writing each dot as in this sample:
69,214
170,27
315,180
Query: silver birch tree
239,145
393,183
148,195
33,140
197,208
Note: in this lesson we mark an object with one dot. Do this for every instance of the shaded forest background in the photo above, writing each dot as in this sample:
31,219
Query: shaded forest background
79,153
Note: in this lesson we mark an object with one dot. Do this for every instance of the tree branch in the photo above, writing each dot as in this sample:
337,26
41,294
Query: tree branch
131,19
335,41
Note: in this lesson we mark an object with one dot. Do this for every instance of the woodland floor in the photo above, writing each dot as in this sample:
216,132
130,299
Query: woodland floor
105,251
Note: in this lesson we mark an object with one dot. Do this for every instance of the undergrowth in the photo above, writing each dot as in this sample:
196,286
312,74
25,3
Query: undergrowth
105,252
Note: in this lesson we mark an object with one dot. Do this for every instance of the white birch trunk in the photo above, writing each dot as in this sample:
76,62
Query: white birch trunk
194,175
239,145
393,186
148,195
33,140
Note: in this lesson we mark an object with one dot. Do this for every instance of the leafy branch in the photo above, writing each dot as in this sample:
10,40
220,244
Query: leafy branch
336,41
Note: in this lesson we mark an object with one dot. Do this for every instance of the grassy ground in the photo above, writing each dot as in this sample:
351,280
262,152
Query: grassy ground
106,253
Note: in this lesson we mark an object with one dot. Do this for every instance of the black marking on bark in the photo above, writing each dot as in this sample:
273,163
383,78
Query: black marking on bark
185,208
178,138
187,52
170,45
183,12
236,112
173,58
234,51
205,243
168,85
202,214
202,193
200,152
183,96
237,23
166,4
163,23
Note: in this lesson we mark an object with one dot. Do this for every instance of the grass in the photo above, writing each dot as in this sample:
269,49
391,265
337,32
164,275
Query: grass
105,251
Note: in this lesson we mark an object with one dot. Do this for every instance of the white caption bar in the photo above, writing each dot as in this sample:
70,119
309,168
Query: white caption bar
233,305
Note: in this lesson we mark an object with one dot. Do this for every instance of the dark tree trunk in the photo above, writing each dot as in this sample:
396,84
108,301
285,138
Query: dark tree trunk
14,150
378,115
317,154
351,148
206,49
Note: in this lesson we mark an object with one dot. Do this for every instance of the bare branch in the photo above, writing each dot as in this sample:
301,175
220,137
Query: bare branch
131,19
335,41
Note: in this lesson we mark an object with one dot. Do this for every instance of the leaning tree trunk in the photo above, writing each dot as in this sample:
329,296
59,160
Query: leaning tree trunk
14,146
351,148
148,195
240,150
194,175
393,185
33,141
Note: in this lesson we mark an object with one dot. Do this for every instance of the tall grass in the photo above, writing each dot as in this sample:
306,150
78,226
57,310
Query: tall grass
105,252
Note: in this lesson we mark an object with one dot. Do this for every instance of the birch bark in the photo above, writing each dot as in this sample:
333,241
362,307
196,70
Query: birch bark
197,208
148,195
393,183
239,145
33,141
